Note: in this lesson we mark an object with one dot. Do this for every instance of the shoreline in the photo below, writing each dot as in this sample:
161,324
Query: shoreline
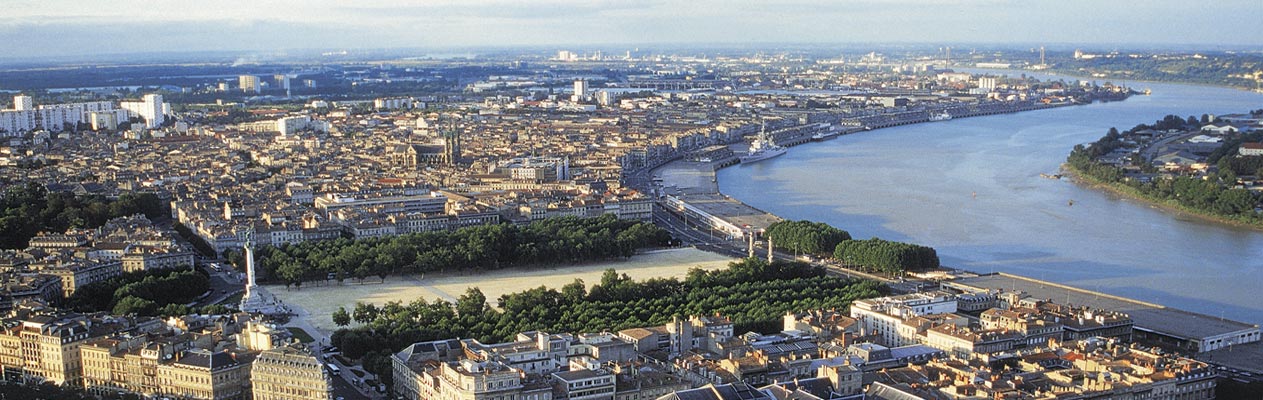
1081,77
1127,192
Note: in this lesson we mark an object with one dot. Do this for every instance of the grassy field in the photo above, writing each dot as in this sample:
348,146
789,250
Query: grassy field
317,304
300,334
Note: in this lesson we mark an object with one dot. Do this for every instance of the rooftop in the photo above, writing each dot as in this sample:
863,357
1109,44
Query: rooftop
1157,318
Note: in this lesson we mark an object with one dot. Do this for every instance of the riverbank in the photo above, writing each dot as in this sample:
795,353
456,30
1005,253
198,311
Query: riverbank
1131,193
1070,74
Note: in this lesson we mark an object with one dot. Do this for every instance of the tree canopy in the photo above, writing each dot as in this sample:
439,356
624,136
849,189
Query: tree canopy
886,256
146,293
27,209
807,237
484,247
754,293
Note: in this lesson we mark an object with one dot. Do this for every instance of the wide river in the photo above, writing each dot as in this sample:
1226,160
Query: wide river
971,188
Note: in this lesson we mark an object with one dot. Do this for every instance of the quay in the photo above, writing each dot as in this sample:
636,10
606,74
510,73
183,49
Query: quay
1188,331
688,187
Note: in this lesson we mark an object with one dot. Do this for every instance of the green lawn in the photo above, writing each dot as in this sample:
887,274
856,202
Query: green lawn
301,335
233,300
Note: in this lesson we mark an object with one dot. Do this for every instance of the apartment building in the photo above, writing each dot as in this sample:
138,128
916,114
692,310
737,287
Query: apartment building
289,373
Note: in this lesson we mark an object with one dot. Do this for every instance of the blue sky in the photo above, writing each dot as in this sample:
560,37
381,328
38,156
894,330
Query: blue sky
41,28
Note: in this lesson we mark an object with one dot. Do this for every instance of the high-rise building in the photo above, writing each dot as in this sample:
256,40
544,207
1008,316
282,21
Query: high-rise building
281,80
248,83
987,82
151,108
580,90
23,103
14,122
290,373
606,98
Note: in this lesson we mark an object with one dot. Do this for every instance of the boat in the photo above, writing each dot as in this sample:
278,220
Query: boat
762,149
830,133
943,116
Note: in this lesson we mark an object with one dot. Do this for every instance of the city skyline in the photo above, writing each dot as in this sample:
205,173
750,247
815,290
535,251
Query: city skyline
66,28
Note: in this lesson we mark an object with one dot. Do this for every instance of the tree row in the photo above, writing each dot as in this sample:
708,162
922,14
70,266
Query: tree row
477,248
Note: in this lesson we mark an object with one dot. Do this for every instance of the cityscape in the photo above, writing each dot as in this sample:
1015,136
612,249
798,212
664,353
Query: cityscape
657,200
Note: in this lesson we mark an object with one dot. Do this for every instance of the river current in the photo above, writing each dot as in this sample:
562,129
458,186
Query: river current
971,188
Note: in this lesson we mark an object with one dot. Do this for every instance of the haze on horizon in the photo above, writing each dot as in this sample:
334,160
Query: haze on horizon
61,28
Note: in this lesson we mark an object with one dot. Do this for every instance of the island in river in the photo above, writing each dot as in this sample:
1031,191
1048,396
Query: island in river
1191,165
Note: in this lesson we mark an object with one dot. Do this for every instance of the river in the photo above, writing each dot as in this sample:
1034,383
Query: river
971,189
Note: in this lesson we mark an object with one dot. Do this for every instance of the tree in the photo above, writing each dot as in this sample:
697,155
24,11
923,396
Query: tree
364,312
215,309
754,293
472,303
574,292
132,305
341,317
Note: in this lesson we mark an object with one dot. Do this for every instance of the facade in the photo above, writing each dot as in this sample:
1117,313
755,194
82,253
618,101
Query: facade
15,122
698,334
107,120
584,384
289,373
205,375
393,103
1246,149
45,348
965,342
150,107
23,103
429,203
149,258
75,275
884,316
248,83
580,90
55,117
535,169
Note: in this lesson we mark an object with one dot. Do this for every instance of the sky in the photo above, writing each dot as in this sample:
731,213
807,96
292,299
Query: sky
48,28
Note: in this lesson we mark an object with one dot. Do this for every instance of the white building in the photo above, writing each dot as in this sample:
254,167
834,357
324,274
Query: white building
1246,149
248,83
987,82
54,117
535,169
883,316
150,107
288,125
23,103
14,122
580,90
393,103
106,120
606,98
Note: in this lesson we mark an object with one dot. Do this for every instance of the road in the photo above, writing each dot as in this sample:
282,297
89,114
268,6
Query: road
222,285
342,381
226,283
